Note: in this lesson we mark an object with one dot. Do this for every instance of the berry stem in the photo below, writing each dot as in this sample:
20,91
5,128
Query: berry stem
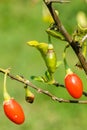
5,93
67,69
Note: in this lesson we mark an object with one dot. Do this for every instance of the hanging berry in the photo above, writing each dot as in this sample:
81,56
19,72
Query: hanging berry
12,108
72,81
13,111
74,85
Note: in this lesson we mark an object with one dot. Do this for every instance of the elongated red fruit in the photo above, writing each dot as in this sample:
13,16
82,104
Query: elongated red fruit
74,85
14,111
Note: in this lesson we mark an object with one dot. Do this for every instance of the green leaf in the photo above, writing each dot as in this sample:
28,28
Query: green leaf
38,78
55,34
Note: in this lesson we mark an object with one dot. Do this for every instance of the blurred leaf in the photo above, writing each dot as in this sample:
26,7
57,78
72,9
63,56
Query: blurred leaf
38,78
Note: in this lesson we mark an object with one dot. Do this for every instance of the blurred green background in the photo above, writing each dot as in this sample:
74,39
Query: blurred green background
21,21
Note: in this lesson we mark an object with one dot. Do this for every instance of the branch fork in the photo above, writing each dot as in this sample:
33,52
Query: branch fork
68,38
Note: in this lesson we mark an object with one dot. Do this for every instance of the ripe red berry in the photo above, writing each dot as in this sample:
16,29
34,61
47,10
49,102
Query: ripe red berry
74,85
13,111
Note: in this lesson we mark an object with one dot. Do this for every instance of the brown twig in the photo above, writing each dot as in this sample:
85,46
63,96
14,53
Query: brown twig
39,90
61,85
75,45
57,1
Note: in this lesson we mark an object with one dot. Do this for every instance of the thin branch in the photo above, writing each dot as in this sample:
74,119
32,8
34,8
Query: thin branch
61,85
75,45
57,1
39,90
58,23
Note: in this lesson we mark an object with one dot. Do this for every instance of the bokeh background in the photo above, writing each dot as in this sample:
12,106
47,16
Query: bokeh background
22,21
